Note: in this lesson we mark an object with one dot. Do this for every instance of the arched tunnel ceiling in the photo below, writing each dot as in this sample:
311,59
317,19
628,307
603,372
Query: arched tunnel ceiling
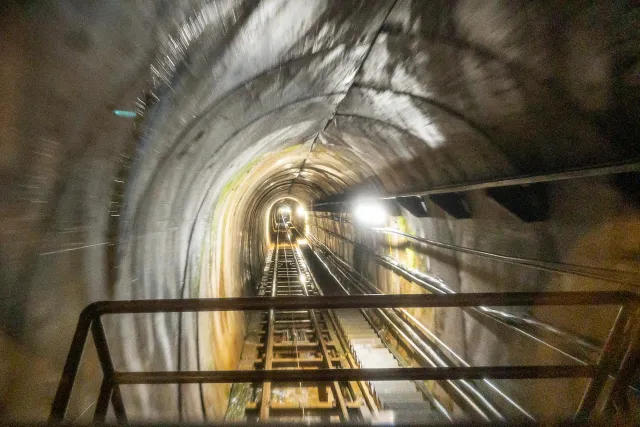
397,83
260,101
242,103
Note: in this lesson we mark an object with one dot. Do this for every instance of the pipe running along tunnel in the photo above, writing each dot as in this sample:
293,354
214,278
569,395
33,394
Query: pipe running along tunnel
147,145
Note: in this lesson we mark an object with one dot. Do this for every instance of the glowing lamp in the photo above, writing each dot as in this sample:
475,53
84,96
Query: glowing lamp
370,213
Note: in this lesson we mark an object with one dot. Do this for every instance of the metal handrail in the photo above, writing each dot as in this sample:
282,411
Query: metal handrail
90,319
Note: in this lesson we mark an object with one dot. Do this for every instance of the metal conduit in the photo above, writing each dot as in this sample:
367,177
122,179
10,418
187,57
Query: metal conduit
586,350
430,356
577,173
466,399
436,403
548,266
462,394
394,266
552,267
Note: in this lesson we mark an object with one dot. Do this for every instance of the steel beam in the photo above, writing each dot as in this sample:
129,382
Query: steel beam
606,364
70,370
326,375
102,348
514,299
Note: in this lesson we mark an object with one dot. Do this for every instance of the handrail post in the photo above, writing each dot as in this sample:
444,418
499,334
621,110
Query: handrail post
629,364
102,347
70,370
604,366
106,390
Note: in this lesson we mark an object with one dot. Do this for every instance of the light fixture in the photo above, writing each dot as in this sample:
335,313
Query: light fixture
369,212
303,279
300,211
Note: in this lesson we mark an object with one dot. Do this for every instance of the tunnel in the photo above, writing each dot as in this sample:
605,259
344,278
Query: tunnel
148,145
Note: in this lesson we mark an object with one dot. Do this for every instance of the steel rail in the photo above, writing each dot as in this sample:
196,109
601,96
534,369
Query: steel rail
108,388
294,322
70,370
335,387
630,364
608,363
265,400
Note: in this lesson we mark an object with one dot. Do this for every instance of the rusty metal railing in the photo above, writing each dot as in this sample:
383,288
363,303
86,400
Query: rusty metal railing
622,341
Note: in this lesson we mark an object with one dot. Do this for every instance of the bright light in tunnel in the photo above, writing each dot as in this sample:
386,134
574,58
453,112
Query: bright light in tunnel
284,210
370,213
300,211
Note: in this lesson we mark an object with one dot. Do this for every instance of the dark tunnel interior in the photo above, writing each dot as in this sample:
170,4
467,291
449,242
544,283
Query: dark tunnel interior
150,148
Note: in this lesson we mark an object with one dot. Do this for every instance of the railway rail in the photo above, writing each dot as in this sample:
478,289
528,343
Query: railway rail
313,339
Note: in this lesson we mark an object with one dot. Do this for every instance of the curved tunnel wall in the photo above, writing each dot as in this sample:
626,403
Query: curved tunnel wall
243,103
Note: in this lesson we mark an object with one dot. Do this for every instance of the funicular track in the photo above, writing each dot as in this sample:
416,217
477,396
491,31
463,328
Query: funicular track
317,339
296,339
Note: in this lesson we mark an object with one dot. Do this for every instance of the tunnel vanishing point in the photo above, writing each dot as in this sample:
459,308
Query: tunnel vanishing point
314,211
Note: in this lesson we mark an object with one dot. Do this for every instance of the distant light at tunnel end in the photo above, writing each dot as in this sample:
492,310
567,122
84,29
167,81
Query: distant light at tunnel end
284,210
300,211
370,213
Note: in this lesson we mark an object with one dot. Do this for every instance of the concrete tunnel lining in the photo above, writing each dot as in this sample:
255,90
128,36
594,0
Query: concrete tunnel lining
244,103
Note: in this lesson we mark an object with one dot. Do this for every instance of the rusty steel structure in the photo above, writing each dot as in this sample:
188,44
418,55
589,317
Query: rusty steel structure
295,339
